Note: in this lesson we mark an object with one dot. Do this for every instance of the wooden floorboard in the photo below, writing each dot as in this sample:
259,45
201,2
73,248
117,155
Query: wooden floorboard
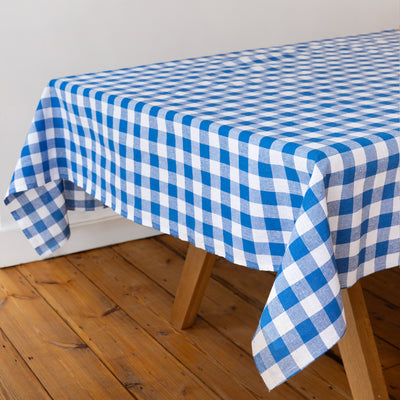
133,356
95,325
16,378
58,357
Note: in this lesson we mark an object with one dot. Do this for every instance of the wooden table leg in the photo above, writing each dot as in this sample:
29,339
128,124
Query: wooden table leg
358,349
196,273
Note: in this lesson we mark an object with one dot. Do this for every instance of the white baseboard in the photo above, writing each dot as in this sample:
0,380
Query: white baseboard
89,230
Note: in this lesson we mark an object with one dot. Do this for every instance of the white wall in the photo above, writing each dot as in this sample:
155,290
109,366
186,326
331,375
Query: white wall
44,39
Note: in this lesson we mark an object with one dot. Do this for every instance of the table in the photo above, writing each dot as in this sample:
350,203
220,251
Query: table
283,159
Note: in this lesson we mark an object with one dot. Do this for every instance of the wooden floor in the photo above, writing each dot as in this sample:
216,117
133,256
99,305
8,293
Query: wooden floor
94,325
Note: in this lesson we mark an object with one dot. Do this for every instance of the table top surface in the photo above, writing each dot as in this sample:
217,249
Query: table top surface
316,94
282,159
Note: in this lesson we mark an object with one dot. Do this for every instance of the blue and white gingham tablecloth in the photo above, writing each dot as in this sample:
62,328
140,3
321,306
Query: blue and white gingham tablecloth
283,159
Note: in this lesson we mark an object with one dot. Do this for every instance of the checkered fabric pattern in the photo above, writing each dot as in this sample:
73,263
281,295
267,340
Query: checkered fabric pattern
283,159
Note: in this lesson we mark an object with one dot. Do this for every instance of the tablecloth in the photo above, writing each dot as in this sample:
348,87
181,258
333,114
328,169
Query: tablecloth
284,159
